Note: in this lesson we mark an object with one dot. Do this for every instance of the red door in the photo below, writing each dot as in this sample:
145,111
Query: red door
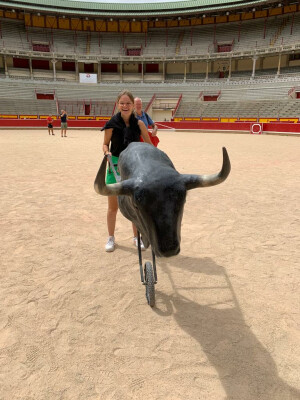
87,109
88,68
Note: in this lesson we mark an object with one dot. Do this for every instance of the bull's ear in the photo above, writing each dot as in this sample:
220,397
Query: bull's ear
195,181
124,188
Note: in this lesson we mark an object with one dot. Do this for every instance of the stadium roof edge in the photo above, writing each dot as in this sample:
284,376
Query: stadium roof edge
131,9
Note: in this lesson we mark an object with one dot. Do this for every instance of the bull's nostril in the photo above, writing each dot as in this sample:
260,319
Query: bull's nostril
169,251
166,246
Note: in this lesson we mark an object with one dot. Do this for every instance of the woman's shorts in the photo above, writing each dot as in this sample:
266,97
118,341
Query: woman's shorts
50,126
110,178
64,125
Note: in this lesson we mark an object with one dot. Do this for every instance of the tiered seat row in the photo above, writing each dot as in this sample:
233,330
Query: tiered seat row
255,100
240,109
17,106
180,41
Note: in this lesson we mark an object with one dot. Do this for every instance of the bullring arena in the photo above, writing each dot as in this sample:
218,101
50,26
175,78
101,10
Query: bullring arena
74,319
75,323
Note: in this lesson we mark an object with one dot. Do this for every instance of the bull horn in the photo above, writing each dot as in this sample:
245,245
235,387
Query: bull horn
115,189
195,181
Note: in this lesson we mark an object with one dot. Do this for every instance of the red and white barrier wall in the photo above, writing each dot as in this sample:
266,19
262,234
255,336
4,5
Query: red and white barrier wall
267,127
270,127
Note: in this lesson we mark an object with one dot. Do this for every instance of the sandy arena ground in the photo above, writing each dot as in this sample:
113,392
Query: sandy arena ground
74,323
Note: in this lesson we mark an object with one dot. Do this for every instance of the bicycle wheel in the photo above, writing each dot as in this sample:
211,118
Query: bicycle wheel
149,283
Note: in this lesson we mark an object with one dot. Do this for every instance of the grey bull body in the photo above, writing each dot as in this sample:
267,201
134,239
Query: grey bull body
152,193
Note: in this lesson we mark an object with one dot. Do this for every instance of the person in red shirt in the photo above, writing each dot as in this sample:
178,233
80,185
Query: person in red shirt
50,125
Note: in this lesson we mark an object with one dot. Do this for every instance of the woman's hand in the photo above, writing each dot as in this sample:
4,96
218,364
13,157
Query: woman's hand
106,142
154,131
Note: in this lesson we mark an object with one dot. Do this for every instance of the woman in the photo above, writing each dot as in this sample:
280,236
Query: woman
122,129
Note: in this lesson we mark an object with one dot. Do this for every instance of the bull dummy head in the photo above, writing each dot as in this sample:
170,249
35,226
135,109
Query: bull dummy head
152,194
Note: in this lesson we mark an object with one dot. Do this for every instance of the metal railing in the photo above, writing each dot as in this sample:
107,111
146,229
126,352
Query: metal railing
80,57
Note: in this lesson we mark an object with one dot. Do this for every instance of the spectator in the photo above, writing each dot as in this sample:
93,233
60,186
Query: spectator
143,116
122,129
64,124
50,124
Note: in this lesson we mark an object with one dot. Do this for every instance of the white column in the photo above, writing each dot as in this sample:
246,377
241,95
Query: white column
253,68
77,71
54,69
279,64
30,67
99,72
121,72
5,67
229,71
206,78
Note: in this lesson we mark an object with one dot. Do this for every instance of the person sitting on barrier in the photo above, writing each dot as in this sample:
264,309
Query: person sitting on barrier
122,129
143,116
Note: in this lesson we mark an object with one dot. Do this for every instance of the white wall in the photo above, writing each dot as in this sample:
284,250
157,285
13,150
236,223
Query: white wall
245,64
161,115
270,62
199,67
131,68
175,68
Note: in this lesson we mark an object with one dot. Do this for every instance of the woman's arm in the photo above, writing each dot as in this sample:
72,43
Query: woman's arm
106,141
144,132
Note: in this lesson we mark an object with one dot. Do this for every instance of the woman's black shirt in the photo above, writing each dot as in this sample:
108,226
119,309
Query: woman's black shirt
122,135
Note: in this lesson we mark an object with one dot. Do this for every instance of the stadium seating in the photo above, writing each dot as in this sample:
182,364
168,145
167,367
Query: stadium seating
180,41
258,99
242,94
241,109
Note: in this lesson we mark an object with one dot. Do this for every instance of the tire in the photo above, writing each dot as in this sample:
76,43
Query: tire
149,283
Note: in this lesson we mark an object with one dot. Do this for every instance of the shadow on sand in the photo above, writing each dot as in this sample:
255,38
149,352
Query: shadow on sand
245,368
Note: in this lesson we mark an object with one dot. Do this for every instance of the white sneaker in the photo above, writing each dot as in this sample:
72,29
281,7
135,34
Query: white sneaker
135,242
110,245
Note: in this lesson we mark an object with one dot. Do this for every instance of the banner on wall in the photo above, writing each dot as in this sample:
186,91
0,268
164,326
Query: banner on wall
88,78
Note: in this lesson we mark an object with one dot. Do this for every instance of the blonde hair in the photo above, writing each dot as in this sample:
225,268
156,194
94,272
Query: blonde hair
125,93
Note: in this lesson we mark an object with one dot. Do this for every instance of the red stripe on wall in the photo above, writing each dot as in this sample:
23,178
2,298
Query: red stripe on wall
275,127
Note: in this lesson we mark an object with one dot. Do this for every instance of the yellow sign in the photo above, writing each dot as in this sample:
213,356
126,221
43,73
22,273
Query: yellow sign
28,117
